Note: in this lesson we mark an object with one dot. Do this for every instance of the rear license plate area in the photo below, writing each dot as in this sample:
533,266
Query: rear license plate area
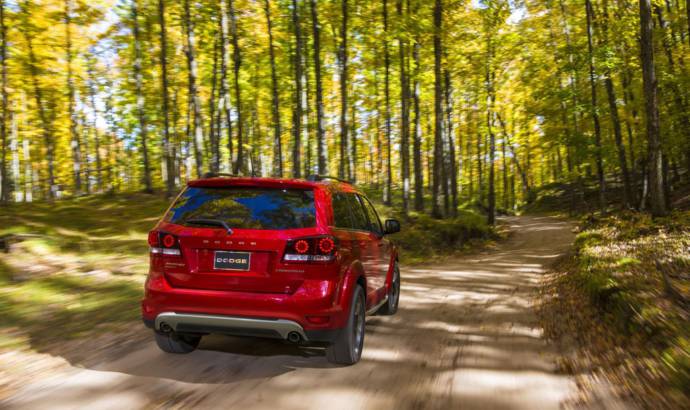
227,260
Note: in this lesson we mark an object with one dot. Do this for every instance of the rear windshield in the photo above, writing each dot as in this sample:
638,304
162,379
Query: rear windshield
246,208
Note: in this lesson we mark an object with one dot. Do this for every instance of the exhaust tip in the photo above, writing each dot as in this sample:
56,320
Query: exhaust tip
165,328
294,337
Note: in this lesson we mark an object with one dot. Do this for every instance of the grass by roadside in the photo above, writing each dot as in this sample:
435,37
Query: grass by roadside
611,308
80,267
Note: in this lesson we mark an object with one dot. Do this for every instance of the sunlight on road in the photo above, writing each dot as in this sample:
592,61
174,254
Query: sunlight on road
465,336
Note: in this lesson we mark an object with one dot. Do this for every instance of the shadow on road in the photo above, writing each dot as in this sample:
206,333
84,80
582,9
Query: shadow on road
466,336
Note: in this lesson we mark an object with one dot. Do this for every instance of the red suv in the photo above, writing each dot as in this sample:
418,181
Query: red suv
302,261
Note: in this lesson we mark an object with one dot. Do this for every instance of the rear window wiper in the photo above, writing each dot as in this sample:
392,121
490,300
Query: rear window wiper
210,221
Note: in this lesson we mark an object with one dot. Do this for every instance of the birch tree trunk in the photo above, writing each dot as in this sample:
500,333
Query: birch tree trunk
4,173
452,168
167,156
75,142
141,109
297,109
387,64
438,111
417,138
240,166
654,169
342,62
275,100
320,132
94,127
404,114
197,129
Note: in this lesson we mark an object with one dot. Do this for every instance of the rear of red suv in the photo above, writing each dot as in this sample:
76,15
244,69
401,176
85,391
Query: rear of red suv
302,261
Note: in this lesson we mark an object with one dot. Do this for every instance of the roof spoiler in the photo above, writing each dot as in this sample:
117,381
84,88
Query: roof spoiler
317,178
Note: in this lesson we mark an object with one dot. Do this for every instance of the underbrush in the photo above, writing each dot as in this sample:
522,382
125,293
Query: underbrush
423,238
624,296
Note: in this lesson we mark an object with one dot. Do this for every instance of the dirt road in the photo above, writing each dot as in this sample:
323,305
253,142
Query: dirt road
465,337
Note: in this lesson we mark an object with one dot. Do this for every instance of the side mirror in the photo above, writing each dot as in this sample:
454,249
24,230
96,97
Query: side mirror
391,226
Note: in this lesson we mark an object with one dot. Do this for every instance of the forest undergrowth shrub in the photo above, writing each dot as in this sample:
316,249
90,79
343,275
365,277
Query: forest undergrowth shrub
616,267
423,237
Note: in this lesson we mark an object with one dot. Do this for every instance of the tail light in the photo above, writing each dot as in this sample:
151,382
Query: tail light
313,249
163,243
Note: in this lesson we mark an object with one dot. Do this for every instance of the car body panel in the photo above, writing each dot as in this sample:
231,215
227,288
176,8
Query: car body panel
271,288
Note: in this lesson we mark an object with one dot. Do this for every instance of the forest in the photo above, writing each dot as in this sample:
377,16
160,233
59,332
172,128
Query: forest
111,96
535,152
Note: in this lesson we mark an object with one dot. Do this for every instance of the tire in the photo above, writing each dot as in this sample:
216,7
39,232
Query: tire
391,305
175,343
347,348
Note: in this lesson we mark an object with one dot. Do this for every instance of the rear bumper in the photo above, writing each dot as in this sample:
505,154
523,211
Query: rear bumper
196,323
314,311
238,326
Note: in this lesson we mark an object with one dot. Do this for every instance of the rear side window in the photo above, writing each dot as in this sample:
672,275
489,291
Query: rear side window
374,221
246,207
341,211
359,218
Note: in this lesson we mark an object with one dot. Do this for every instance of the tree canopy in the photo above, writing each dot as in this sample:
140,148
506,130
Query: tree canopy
478,101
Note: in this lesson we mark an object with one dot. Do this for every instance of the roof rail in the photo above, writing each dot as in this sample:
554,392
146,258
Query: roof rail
217,174
317,177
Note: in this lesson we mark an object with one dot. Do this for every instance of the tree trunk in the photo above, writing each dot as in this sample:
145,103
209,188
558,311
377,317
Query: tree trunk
387,190
224,89
451,146
680,105
167,155
320,132
687,12
353,145
470,168
655,174
141,109
197,129
223,108
490,102
526,190
75,142
594,108
275,100
306,139
46,122
417,139
4,173
213,136
342,63
615,119
378,168
94,126
297,109
491,199
629,102
240,166
28,170
16,166
618,135
506,198
438,111
404,113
